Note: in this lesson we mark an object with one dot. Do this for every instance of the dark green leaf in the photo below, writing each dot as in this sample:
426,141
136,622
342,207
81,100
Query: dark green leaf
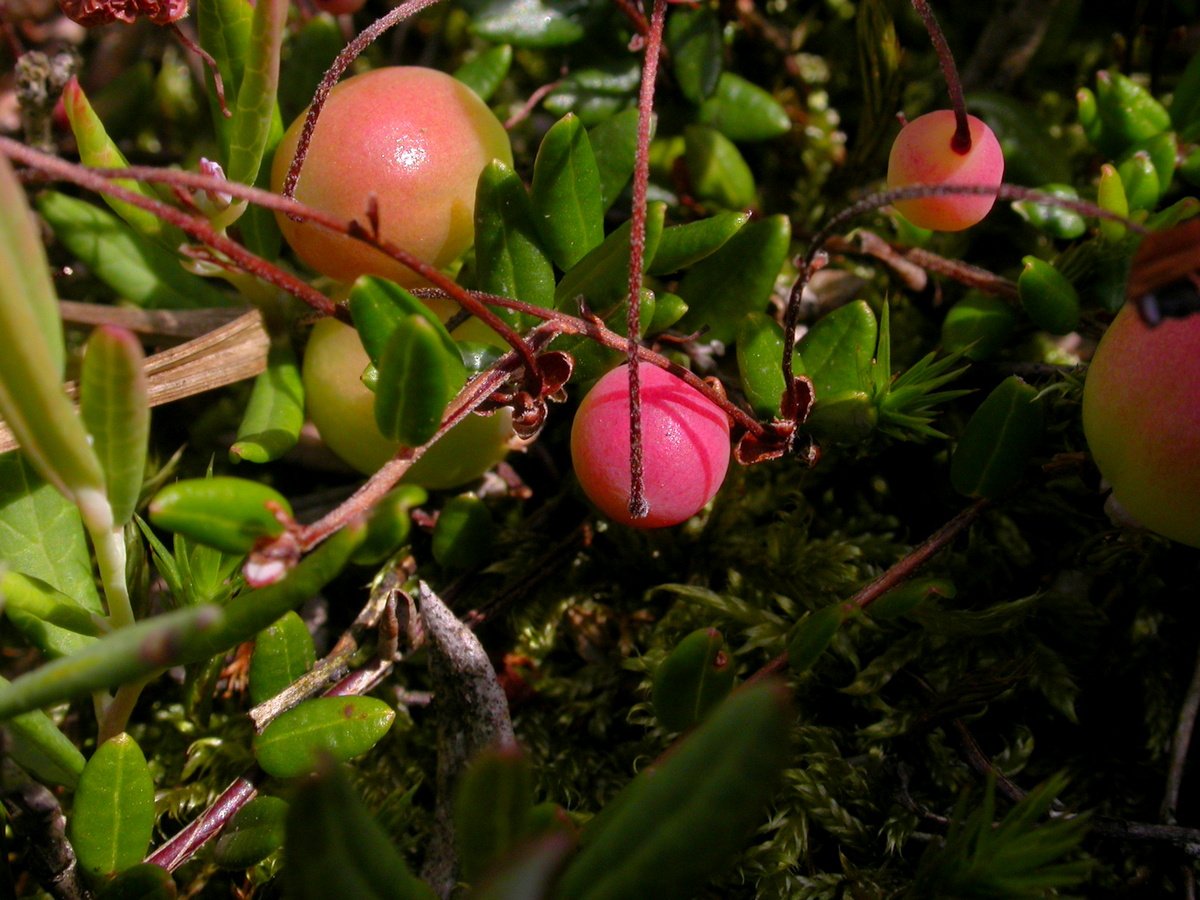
999,441
378,306
596,94
418,376
837,352
813,635
39,746
742,111
254,833
464,534
337,728
510,260
602,277
682,246
1056,221
1138,175
282,653
979,325
145,881
531,23
738,279
694,38
614,144
1048,297
694,678
567,206
113,815
390,523
492,807
486,71
716,169
760,362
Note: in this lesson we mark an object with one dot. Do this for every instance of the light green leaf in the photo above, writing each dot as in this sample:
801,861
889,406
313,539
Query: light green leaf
113,816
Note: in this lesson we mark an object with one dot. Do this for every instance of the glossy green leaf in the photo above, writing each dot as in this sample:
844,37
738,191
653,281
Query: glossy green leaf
674,825
568,210
742,111
738,279
531,23
1127,110
113,814
338,728
274,415
254,833
38,746
256,107
98,150
614,145
682,246
510,260
34,597
186,636
1056,221
283,652
837,351
759,358
694,678
1048,297
1163,150
693,36
668,310
42,537
910,595
230,514
389,524
114,403
597,93
716,169
814,633
602,277
378,306
139,271
464,534
145,881
999,441
1110,194
418,376
486,71
845,417
1185,101
979,325
491,809
224,29
528,873
336,849
1138,175
1093,126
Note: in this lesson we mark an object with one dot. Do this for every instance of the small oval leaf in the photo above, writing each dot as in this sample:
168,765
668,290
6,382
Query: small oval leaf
227,513
694,678
339,728
418,377
1048,297
813,635
254,833
282,653
568,209
742,111
113,816
999,441
464,534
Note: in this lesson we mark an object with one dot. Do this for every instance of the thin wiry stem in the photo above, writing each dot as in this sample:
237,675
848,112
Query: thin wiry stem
638,507
961,142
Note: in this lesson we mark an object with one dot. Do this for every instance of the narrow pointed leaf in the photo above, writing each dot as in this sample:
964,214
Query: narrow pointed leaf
336,849
275,413
602,277
742,111
42,750
813,635
684,245
282,653
97,149
510,260
418,376
137,270
179,638
999,441
113,814
491,812
115,407
486,71
673,826
256,107
224,29
33,597
227,513
337,728
695,677
737,279
568,209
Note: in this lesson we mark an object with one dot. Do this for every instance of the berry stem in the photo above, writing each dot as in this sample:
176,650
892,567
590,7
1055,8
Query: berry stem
349,53
638,508
961,142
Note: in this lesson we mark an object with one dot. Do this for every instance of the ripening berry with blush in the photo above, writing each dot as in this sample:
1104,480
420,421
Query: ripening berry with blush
415,138
1141,417
685,446
923,154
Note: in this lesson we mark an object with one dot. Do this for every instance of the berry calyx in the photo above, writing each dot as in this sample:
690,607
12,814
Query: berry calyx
1141,403
685,442
416,139
924,153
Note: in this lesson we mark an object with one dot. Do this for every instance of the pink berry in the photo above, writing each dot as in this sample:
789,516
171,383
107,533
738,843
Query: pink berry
922,155
1141,406
685,443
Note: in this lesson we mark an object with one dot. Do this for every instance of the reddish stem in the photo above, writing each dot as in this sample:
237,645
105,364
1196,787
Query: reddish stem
638,507
180,848
961,142
349,53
